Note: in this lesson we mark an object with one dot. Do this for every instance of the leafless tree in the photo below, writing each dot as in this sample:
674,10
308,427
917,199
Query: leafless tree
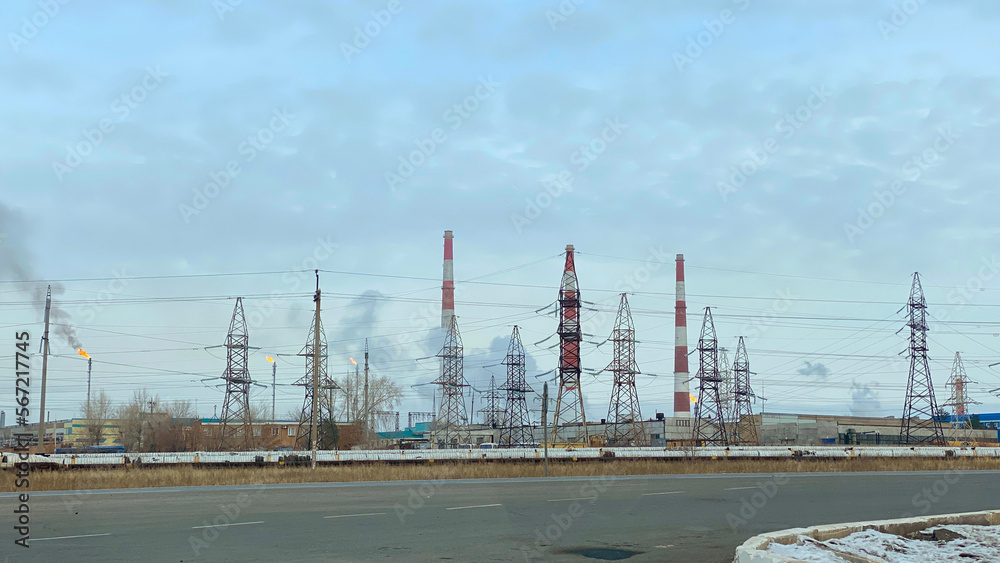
97,411
169,429
133,420
383,395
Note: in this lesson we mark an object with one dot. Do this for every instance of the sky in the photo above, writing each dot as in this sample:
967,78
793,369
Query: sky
165,157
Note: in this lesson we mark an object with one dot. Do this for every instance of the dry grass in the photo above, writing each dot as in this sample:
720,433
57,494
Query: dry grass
79,479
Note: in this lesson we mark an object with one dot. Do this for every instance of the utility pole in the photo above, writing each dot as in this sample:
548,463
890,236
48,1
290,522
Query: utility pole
545,425
367,405
45,371
274,383
315,382
326,387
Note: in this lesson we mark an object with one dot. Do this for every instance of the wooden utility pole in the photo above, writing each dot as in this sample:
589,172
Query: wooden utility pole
315,384
45,370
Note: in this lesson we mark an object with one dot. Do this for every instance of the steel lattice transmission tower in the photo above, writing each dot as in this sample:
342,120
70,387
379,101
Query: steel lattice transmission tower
624,424
516,421
235,423
745,425
710,424
569,413
324,401
451,426
492,413
959,384
920,401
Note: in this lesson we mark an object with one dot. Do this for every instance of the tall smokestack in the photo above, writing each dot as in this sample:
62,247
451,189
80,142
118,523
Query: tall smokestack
682,389
448,287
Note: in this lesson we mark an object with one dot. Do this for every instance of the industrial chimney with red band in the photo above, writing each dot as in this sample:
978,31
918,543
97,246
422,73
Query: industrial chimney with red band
682,389
448,287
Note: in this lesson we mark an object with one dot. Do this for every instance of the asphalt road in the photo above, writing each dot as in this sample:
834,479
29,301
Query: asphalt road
698,518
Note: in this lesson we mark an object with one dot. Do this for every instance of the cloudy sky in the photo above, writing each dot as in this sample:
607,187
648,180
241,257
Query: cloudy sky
806,158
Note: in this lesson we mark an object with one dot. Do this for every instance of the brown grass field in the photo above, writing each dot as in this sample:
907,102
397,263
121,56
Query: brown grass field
121,478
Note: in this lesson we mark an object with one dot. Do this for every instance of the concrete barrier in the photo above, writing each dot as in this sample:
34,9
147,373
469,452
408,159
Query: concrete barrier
754,550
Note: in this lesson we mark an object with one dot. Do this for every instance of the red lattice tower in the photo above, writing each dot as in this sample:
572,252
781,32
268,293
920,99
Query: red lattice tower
569,423
959,383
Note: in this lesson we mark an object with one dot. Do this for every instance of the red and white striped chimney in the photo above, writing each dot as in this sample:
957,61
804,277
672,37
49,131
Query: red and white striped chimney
682,389
448,287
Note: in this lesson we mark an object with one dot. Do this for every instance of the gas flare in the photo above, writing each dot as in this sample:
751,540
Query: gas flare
83,353
270,359
353,361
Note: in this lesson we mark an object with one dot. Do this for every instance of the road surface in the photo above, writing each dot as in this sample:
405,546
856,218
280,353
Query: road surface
684,518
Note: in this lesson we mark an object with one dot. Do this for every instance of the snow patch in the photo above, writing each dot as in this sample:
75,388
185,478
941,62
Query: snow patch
978,543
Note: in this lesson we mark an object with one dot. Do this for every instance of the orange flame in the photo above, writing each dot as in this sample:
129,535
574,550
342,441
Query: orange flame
83,353
353,361
270,359
693,398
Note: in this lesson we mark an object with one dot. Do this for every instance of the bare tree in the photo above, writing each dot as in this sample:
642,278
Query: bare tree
97,412
260,412
383,395
180,409
133,420
169,430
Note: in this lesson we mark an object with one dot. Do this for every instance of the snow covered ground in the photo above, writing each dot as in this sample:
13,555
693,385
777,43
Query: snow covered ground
972,544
